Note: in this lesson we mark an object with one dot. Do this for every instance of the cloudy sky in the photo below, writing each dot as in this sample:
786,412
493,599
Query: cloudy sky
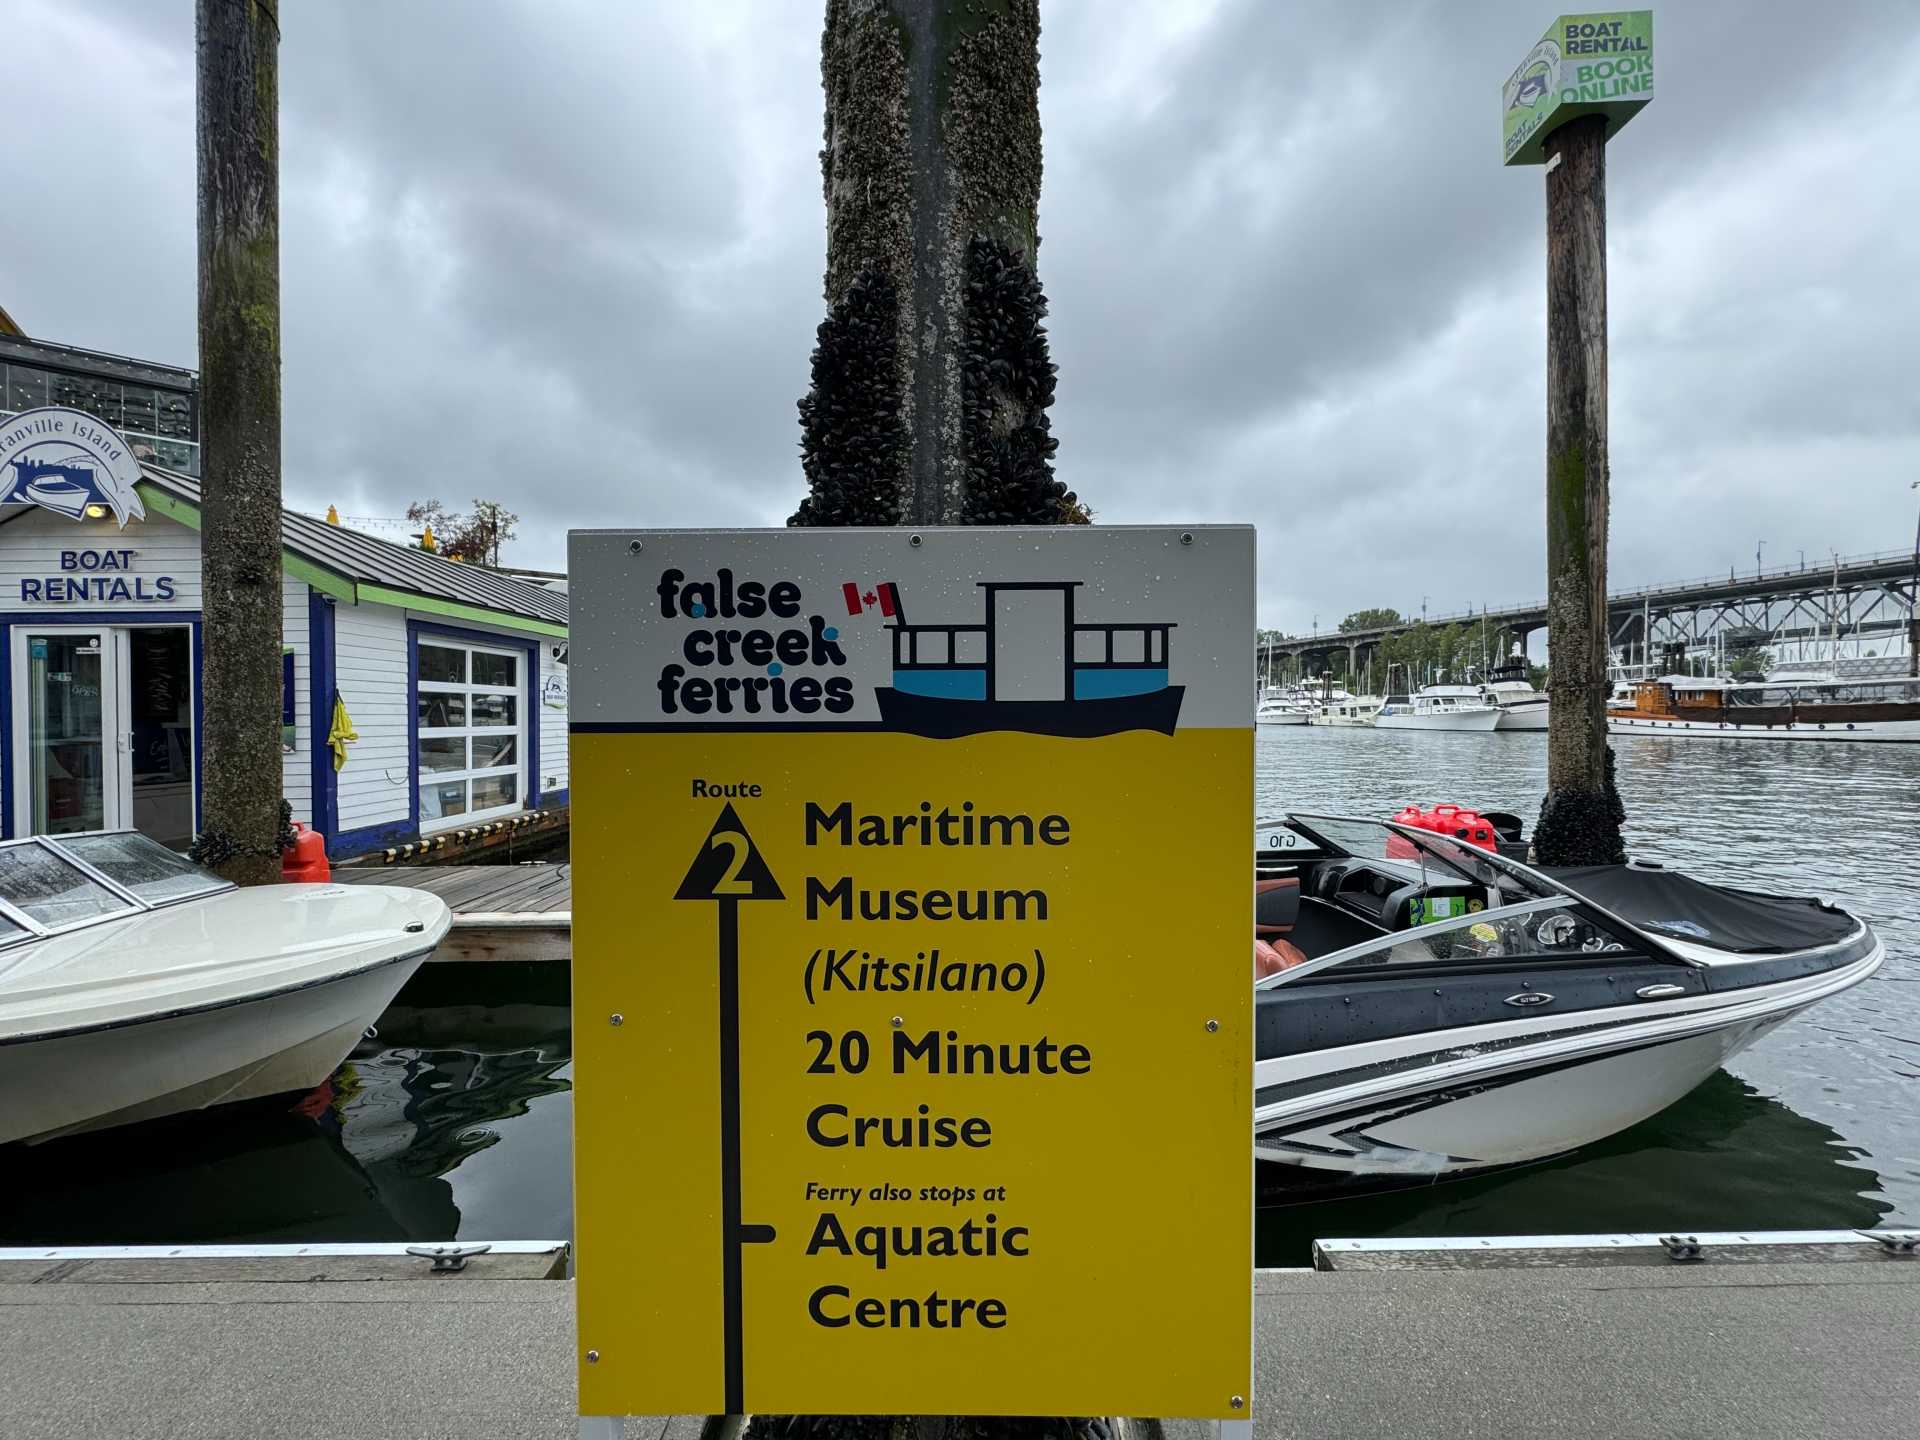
568,254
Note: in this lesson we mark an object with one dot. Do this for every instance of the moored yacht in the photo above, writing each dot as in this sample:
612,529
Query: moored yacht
1341,708
1858,710
1279,707
1440,707
134,984
1429,1008
1521,706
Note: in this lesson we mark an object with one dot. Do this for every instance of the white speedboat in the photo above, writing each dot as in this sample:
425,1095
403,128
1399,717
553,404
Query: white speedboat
1282,709
1433,1009
135,985
1440,707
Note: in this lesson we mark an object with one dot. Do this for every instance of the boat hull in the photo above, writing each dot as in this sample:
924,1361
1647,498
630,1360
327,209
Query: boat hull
118,1074
1860,732
1482,721
1290,718
940,718
1522,717
1469,1100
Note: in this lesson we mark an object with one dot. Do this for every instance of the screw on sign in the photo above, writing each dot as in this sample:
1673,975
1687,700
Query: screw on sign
729,869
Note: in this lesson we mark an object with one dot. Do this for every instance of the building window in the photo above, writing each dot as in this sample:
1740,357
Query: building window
471,733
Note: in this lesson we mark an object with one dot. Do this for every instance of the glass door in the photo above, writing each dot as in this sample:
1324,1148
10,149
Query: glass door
157,791
70,776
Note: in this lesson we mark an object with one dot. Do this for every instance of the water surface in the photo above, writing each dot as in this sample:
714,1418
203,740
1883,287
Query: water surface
1812,1127
456,1119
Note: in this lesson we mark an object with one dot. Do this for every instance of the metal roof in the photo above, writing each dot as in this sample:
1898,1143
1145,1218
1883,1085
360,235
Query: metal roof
358,557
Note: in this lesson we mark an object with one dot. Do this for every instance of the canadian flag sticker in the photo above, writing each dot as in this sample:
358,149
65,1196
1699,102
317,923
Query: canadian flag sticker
861,600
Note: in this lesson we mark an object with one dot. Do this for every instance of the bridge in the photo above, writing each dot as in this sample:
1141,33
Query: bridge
1854,596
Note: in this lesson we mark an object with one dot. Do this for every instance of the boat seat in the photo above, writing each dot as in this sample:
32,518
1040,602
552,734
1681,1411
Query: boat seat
1272,959
1276,905
1320,929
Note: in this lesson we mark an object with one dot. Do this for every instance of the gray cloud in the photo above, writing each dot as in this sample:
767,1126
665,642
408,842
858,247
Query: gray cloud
569,255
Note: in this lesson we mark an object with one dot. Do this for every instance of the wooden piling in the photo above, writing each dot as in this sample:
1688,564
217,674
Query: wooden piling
1578,824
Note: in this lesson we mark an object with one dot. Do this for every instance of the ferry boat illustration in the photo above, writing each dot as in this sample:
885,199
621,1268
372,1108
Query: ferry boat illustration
1030,667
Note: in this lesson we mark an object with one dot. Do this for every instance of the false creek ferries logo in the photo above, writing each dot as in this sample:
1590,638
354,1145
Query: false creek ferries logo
1018,661
1537,77
66,460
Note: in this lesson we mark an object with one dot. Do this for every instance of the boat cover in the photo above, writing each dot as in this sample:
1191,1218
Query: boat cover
1745,922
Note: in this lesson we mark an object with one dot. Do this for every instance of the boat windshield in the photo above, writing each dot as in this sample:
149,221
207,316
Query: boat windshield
144,866
51,890
1535,931
1375,840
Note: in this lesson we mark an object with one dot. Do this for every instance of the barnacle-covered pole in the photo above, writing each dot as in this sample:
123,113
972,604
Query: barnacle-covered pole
1579,823
239,167
931,377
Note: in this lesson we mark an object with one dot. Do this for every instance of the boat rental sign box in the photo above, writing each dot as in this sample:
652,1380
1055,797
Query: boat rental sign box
913,1015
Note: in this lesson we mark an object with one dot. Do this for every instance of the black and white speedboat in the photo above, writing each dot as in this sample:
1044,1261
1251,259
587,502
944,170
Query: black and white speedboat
1433,1009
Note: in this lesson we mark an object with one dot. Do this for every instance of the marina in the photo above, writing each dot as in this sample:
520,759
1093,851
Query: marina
1806,1127
346,1090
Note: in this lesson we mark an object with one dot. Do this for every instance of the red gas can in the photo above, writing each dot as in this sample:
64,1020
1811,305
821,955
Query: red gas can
307,860
1453,821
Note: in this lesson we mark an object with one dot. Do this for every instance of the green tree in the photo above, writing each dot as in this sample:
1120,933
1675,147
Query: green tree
476,536
1370,619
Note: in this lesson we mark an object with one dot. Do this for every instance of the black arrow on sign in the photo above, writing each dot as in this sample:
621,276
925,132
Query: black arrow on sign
729,869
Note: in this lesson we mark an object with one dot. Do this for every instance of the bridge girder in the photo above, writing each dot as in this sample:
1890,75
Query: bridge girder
1872,596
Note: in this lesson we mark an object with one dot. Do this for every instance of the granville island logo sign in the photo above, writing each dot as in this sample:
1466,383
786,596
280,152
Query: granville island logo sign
66,460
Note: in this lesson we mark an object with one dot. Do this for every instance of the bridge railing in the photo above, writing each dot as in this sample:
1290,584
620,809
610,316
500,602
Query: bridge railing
1666,588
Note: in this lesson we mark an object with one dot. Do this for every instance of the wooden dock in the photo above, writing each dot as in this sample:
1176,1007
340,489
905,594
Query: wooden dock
500,912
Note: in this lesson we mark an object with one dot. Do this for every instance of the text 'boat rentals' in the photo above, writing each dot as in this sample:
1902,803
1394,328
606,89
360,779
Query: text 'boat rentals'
1430,1008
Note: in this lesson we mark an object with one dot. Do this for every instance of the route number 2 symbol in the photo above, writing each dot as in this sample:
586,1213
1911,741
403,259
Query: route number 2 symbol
735,844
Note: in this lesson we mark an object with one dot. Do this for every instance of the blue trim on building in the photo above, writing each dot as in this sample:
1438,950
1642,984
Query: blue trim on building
554,800
320,687
529,703
12,620
349,843
6,729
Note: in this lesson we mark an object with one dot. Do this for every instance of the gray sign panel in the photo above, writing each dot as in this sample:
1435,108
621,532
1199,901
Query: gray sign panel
1070,630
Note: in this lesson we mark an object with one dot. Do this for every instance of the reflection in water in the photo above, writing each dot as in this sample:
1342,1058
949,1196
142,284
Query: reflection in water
1724,1158
468,1057
1815,1126
456,1120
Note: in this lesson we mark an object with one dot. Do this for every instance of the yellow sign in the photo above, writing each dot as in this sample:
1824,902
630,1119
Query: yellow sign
913,1051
